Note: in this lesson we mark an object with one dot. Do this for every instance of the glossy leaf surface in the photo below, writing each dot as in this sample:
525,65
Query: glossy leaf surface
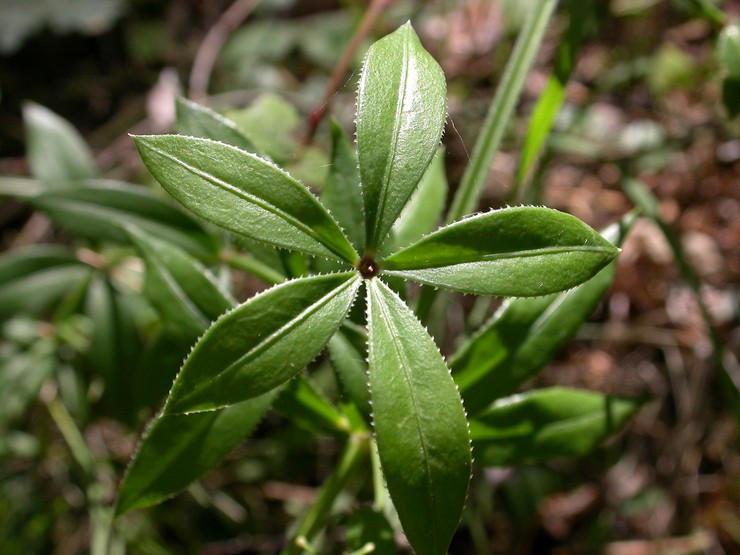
200,121
524,251
243,193
401,110
101,209
419,423
525,334
183,291
546,424
57,153
262,343
179,448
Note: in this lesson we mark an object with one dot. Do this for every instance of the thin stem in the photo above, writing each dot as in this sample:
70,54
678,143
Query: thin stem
313,521
501,109
340,70
214,40
252,266
101,516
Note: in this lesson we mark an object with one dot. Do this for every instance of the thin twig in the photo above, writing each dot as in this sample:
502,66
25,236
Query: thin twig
340,70
214,40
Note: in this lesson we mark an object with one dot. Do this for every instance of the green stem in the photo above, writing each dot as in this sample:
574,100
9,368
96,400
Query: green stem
313,521
101,516
501,109
252,266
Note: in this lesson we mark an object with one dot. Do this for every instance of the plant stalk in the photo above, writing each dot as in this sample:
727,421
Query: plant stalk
252,266
354,453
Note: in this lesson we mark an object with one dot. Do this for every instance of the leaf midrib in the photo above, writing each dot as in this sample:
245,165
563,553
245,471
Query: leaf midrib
445,261
391,162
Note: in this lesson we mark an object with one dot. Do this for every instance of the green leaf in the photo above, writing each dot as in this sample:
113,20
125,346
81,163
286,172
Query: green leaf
270,122
422,213
401,110
22,373
262,343
367,525
523,251
546,424
200,121
33,278
243,193
728,49
20,187
304,404
179,448
57,153
347,350
115,346
342,195
525,334
100,210
419,422
184,292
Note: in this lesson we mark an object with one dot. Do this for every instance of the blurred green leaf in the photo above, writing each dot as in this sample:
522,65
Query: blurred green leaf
33,278
100,210
546,424
184,292
419,423
115,346
522,251
305,405
243,193
366,525
22,373
728,50
57,154
269,122
178,449
199,121
401,111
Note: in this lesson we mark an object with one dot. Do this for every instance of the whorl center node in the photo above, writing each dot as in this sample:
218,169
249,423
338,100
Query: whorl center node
367,267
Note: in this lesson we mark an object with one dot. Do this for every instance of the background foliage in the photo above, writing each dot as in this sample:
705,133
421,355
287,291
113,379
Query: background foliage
640,105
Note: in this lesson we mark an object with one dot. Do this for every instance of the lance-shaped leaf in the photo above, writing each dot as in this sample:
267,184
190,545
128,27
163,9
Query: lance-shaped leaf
401,111
419,422
422,213
243,193
525,334
342,195
179,448
546,424
518,252
99,210
180,288
31,279
57,153
199,121
347,351
262,343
